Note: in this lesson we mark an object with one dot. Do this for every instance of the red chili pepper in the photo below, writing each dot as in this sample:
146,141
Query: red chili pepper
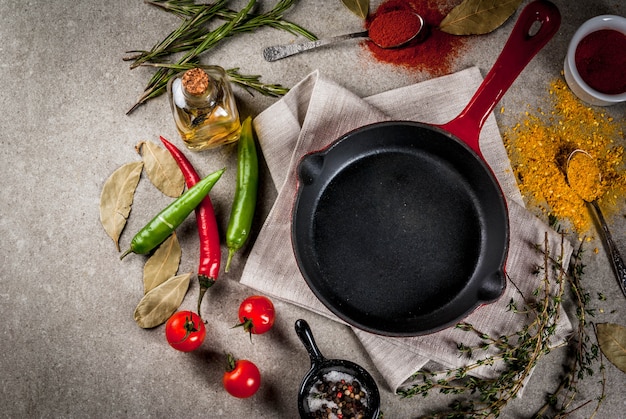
210,252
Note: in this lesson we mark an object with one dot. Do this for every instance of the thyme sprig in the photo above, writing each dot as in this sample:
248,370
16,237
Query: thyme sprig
585,353
518,353
194,36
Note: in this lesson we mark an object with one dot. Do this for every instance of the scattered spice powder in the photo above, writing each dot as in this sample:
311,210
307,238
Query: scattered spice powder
432,51
540,145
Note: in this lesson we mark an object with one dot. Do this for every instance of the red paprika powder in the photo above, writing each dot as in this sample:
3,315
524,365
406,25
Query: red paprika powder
394,28
601,61
433,51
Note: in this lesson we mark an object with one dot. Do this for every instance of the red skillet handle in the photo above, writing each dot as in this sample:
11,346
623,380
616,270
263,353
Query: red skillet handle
523,44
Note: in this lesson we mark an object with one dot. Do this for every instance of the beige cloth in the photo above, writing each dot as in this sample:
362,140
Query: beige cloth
316,112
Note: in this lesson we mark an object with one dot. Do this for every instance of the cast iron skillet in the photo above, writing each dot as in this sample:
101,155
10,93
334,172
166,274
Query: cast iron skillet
401,228
320,366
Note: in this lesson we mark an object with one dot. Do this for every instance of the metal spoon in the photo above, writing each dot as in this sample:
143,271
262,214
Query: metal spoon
281,51
619,268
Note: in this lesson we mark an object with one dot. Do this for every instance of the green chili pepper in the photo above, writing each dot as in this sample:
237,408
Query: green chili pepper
166,221
244,203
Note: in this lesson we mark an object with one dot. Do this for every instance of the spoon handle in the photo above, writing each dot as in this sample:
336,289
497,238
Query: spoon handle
281,51
614,254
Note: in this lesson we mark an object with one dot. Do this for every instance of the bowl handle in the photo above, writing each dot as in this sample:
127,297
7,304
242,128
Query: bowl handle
306,337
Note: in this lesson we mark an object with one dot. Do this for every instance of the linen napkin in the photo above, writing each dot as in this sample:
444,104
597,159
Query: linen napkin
316,112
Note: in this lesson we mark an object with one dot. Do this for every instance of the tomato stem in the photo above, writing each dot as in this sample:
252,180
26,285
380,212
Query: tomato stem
190,327
230,362
247,325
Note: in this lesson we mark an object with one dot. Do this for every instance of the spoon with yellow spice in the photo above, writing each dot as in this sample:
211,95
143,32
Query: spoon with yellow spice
584,177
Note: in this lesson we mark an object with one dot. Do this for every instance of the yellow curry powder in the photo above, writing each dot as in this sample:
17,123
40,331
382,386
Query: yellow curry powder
539,148
583,176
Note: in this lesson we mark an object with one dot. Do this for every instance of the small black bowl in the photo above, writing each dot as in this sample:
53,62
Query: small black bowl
325,369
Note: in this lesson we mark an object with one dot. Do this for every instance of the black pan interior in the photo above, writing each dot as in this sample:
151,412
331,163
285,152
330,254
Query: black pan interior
400,229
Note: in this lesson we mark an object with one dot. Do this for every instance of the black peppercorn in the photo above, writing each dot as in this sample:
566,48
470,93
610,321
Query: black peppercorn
338,396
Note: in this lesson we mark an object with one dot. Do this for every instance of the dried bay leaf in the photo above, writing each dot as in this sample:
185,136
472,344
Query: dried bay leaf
161,168
161,302
612,341
116,199
358,7
477,17
163,264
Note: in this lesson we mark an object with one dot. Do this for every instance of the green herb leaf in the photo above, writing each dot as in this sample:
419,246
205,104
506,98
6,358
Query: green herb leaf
477,17
116,199
163,264
612,341
513,357
193,38
161,302
161,169
358,7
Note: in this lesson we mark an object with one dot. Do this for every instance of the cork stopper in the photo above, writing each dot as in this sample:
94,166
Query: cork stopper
195,81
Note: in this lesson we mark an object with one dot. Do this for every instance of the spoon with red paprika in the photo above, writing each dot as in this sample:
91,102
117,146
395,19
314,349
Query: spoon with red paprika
388,30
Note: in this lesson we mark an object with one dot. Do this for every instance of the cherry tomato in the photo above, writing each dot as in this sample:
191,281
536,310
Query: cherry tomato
242,378
256,314
185,331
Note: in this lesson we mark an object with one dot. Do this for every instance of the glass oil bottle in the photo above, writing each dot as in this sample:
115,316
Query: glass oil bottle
204,107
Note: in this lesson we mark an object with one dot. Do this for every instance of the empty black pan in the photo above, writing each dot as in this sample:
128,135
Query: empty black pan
401,228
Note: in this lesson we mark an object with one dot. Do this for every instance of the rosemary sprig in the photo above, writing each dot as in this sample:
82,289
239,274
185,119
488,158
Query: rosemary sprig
187,9
273,18
252,82
248,82
182,38
192,38
182,8
519,353
158,82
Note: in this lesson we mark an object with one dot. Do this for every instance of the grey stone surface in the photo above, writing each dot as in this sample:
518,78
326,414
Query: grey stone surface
69,343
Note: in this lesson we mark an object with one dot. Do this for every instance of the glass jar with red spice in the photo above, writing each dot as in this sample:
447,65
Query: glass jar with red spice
595,65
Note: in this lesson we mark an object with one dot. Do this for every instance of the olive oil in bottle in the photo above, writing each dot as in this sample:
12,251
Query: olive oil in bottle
204,107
